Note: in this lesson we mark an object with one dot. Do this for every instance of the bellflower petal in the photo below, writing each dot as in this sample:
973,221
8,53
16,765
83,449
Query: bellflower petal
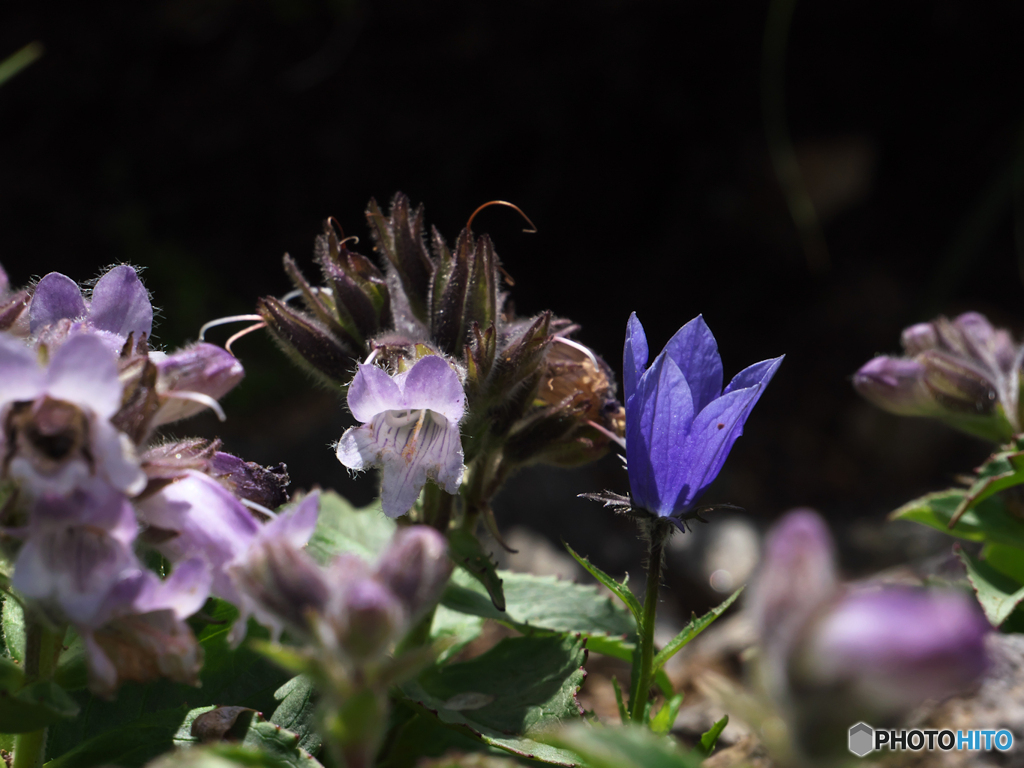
56,297
635,356
410,430
680,425
120,304
657,421
695,351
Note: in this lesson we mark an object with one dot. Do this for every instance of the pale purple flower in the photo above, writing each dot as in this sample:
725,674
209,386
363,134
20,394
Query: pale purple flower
57,430
195,516
119,306
410,429
680,424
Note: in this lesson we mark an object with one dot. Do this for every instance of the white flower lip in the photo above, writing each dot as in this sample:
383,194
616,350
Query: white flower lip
410,430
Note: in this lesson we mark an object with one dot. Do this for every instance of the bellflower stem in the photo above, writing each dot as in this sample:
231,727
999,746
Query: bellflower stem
659,531
42,649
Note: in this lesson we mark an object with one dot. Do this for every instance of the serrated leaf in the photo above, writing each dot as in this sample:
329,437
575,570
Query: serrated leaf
619,589
238,677
264,745
35,706
628,746
533,682
691,630
297,712
1002,470
998,594
666,717
542,603
987,521
418,736
341,528
272,739
709,738
466,551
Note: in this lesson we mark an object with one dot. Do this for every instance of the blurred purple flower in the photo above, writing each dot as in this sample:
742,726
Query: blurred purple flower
680,424
410,430
191,379
963,371
875,652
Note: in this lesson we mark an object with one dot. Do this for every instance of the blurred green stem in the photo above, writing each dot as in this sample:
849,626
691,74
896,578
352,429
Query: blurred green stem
42,650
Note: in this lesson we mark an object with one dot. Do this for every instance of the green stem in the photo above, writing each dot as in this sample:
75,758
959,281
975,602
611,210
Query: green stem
42,650
659,533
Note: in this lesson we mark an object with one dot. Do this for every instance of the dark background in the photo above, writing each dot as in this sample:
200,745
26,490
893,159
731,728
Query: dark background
203,139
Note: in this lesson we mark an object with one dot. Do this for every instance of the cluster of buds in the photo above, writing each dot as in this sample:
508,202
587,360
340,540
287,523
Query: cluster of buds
832,655
963,372
86,486
348,616
531,394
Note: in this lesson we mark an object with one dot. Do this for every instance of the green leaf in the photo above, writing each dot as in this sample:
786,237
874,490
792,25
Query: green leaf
619,589
152,712
454,630
130,745
666,717
1007,560
987,521
416,737
344,528
297,712
466,551
709,739
628,746
518,688
535,603
72,670
264,745
691,630
623,714
1002,470
997,592
13,625
35,706
622,648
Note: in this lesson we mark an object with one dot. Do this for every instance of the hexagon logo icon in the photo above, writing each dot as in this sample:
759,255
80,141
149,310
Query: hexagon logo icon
862,737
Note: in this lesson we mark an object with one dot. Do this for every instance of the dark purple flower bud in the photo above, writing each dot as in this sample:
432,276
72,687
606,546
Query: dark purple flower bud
464,290
917,338
893,648
192,379
309,342
400,237
266,486
359,292
415,567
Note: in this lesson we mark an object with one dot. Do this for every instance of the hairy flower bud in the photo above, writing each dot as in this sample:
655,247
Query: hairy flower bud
415,567
963,372
368,618
308,341
191,379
